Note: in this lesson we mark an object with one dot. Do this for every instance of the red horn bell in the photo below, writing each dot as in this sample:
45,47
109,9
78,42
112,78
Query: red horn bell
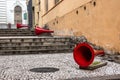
39,31
84,54
21,25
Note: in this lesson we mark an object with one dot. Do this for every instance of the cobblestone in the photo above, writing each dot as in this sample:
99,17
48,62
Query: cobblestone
17,67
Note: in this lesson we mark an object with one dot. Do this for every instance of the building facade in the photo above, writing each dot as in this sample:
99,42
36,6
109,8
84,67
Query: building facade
13,11
98,20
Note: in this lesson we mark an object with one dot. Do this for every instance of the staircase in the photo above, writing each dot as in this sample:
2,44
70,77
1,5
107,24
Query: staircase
17,42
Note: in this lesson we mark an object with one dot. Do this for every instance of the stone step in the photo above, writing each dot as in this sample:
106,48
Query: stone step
36,40
34,51
10,30
33,39
20,32
31,34
4,32
36,47
31,43
16,32
34,43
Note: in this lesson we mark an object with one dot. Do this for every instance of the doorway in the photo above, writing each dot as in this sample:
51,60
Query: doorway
18,15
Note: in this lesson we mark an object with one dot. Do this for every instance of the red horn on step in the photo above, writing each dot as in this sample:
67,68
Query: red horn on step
84,54
39,31
21,25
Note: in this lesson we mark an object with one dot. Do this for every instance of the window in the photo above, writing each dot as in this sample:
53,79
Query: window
56,1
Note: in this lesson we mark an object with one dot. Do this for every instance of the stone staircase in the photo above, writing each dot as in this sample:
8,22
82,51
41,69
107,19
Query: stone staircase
28,43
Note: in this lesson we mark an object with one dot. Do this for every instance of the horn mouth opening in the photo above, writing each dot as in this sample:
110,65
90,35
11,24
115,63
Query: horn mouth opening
83,54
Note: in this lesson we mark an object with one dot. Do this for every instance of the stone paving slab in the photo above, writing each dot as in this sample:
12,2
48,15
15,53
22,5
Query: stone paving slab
52,67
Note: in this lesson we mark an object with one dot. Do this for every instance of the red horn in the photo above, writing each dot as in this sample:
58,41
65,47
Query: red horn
39,31
84,54
21,25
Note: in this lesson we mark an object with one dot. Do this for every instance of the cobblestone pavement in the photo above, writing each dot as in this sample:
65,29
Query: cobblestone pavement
52,67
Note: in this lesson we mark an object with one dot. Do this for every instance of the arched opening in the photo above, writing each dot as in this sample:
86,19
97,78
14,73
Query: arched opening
17,15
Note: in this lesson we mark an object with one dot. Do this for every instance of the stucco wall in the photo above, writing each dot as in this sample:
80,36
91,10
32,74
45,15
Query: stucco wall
61,9
98,20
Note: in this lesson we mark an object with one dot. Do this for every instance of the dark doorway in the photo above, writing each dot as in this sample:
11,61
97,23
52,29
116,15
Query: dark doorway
17,15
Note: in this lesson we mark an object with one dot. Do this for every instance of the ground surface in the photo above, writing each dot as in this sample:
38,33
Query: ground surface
52,67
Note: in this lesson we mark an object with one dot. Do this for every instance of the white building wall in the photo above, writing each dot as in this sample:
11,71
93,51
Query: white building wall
11,4
3,15
7,11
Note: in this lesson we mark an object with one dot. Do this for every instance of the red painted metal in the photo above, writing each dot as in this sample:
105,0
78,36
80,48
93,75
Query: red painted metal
84,54
39,31
21,25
